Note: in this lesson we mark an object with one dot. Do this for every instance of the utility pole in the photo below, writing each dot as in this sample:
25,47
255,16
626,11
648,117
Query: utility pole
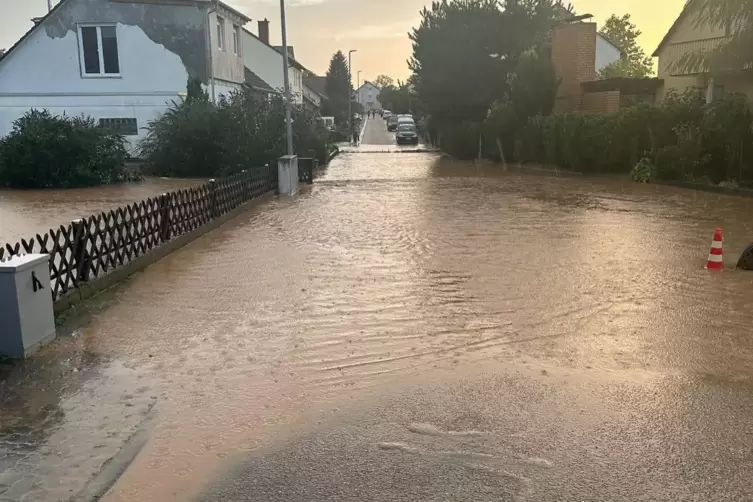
350,96
286,79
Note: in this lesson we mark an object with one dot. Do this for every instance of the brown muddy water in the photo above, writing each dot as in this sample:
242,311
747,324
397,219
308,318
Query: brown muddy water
24,213
412,328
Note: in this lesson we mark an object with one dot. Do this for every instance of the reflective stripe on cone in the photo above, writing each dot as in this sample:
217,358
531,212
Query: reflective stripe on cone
715,261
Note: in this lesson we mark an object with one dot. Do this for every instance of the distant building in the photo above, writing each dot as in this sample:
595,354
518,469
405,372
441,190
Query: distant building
368,95
121,62
685,36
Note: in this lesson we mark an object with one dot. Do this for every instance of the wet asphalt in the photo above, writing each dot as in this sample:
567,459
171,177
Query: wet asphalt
528,426
409,328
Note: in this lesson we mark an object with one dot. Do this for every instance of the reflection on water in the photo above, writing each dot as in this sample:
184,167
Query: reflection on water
393,263
24,213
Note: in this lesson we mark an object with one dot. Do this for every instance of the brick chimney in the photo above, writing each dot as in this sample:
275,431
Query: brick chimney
574,60
264,31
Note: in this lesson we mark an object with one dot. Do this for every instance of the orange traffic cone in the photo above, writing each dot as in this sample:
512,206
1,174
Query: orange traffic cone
715,255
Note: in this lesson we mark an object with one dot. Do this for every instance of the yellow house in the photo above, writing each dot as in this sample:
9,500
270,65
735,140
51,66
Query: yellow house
686,36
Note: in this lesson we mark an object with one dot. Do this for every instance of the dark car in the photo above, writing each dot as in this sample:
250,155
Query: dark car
392,123
407,134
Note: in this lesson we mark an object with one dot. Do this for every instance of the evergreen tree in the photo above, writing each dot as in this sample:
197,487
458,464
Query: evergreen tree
338,89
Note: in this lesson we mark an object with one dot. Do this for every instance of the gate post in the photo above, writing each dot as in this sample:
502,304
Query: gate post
164,211
287,169
80,254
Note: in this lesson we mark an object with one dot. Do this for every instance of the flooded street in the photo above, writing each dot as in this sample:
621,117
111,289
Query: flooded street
410,328
24,213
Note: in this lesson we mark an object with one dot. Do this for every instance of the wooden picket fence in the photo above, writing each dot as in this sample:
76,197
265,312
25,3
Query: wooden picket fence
91,247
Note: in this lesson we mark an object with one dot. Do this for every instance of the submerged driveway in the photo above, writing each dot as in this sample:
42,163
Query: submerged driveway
413,328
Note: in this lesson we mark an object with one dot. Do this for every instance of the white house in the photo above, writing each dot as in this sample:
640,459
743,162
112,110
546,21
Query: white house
368,95
121,62
606,53
314,90
267,62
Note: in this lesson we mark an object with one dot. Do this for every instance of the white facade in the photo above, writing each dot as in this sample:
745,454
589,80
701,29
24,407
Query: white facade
368,95
606,53
267,63
60,74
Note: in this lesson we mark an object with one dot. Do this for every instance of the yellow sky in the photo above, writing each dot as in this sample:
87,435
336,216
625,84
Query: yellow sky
376,28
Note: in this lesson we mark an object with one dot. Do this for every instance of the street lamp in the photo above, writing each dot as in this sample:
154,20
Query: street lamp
350,95
286,79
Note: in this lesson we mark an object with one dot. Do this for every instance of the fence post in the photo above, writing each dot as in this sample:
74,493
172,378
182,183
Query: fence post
164,211
247,185
212,198
80,254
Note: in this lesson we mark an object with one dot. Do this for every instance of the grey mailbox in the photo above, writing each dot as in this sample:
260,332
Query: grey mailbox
27,320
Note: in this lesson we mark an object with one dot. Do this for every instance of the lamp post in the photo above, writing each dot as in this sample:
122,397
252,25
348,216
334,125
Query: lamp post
350,95
286,79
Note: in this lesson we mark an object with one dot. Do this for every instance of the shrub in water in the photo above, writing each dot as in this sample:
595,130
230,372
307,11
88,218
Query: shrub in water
50,151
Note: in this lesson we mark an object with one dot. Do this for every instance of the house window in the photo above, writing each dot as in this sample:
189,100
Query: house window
220,33
124,126
98,47
236,40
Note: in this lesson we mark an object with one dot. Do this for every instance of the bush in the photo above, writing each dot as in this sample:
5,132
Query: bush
644,171
683,139
200,139
50,151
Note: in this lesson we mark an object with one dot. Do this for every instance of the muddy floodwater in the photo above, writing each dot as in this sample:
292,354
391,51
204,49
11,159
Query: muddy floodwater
411,328
24,213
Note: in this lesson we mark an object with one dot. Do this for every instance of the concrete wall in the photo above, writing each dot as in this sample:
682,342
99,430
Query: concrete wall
267,63
606,53
159,46
574,60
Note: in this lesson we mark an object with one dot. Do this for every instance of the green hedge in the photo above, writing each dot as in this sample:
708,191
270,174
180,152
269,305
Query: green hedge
49,151
683,139
197,138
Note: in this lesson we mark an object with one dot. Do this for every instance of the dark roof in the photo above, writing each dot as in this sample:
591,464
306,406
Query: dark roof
316,84
291,60
672,29
625,85
254,81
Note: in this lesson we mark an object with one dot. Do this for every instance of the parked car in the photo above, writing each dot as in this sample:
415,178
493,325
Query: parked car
386,114
407,134
392,123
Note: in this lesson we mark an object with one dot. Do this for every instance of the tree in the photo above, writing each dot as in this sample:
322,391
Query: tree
338,88
399,98
734,17
384,81
621,32
465,52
